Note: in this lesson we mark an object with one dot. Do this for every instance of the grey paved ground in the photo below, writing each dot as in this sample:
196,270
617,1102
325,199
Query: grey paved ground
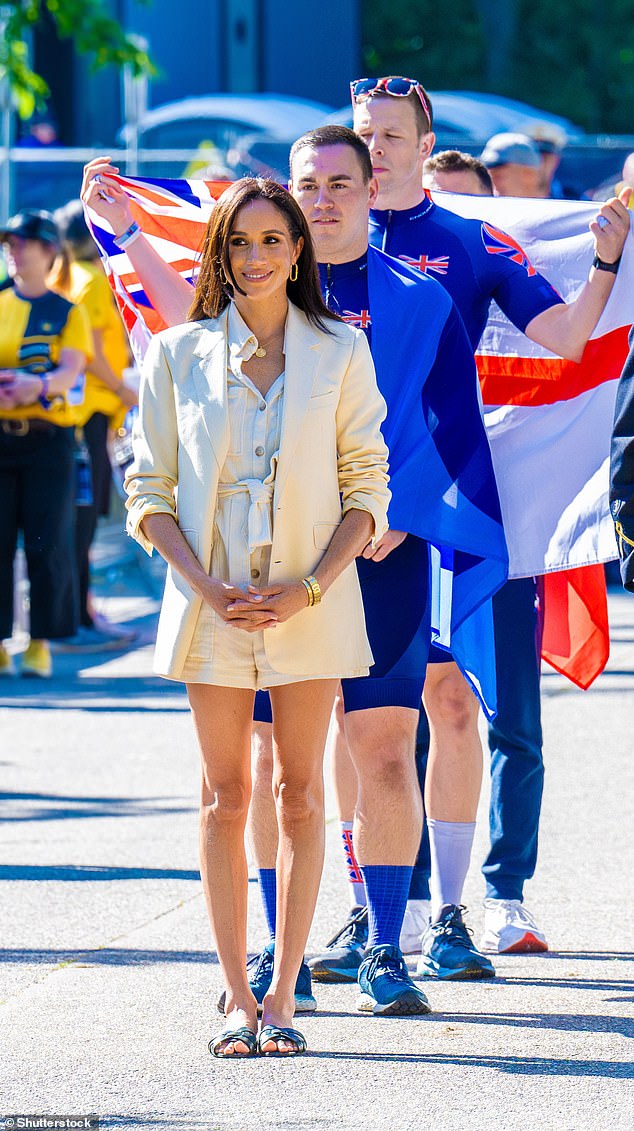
107,981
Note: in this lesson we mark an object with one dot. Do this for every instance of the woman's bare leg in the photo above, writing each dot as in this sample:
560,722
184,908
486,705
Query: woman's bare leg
301,714
222,719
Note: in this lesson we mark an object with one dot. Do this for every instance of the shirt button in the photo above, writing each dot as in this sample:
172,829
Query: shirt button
259,451
262,408
255,573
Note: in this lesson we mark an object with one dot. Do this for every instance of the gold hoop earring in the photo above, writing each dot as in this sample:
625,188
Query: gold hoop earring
294,272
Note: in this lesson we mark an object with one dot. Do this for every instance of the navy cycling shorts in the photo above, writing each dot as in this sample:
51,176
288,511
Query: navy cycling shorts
396,606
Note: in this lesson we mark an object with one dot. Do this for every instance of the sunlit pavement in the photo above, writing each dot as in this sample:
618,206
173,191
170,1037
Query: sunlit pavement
108,983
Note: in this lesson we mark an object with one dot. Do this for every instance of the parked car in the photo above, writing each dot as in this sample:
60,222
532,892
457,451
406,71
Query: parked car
223,119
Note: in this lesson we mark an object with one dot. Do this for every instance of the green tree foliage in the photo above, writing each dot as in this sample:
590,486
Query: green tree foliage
86,22
573,57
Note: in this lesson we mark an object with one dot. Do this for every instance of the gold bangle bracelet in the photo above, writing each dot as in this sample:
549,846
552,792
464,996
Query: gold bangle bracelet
307,587
314,587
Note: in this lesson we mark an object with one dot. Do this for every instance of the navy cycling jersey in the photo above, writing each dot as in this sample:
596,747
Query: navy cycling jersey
345,290
472,259
420,375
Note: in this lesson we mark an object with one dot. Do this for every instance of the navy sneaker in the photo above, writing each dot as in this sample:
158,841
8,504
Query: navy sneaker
260,972
386,987
448,951
344,953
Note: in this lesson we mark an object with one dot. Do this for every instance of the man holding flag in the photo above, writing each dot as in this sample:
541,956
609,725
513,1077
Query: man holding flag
476,263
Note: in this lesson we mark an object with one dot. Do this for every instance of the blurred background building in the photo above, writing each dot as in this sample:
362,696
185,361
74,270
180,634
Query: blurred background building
202,47
238,80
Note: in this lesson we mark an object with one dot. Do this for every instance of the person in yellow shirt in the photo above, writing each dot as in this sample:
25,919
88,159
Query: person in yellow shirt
105,403
45,344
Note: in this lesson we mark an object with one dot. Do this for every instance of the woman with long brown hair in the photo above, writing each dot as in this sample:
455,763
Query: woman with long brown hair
260,473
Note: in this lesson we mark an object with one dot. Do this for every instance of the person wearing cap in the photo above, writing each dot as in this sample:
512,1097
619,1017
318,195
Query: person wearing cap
45,342
549,140
106,400
515,165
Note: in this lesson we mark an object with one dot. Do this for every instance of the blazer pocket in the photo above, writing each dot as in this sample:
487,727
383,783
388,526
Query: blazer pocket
322,534
322,400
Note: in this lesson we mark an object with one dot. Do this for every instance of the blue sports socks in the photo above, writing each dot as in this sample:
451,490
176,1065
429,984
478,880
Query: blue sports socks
268,890
387,886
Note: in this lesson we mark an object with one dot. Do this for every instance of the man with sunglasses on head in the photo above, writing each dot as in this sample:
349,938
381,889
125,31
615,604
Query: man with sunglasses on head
393,116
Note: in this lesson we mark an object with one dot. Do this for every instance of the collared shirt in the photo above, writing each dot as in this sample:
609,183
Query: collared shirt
247,478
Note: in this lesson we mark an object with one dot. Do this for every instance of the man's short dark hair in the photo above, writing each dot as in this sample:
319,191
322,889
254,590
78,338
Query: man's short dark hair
453,161
325,136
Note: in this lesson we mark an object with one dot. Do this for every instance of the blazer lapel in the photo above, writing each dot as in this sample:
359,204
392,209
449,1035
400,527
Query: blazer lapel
209,373
303,353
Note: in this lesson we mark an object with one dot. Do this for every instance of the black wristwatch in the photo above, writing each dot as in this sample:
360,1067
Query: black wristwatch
601,265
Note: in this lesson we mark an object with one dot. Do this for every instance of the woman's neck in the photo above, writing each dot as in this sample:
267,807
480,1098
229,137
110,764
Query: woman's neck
30,286
264,319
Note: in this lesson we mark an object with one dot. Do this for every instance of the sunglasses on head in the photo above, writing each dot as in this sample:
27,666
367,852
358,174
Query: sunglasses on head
396,85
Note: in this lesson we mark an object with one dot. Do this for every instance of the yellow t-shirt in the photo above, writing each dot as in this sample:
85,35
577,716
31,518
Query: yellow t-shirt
89,289
33,333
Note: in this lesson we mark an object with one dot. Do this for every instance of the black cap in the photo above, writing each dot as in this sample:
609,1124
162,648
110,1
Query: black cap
32,225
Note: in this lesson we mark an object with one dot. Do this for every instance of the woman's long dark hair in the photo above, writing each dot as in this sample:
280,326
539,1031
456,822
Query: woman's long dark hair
216,282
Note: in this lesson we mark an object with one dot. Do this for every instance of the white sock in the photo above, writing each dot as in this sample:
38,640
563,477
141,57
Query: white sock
353,871
450,843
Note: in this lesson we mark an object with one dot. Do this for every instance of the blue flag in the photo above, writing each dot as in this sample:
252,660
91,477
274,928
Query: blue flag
441,471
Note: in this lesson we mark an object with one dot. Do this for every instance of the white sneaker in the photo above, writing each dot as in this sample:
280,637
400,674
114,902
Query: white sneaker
510,929
415,923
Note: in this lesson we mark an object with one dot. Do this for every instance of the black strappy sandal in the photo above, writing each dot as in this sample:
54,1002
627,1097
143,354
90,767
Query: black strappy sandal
276,1033
245,1035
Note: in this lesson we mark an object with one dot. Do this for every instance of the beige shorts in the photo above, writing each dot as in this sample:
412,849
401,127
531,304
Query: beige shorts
231,657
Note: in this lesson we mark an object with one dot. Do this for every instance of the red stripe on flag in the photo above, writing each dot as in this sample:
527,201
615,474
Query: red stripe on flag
163,197
576,638
546,380
178,230
216,188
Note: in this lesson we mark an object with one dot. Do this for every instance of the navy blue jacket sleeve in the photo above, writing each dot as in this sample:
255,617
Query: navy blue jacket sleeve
622,469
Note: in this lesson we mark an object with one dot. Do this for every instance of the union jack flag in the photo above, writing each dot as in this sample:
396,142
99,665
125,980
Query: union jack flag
361,320
173,215
500,243
425,264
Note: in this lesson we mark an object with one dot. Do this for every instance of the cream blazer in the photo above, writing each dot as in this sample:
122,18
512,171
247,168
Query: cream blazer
332,458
